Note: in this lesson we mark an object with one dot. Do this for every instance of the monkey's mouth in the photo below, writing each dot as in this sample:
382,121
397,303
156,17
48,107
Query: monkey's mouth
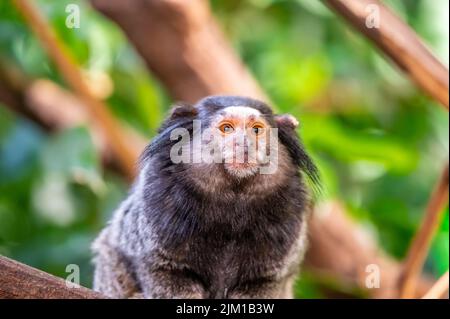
241,170
245,165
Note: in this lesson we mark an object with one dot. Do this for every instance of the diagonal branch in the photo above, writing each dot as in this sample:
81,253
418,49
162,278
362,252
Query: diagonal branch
18,281
72,75
439,289
342,249
54,108
398,41
183,45
422,241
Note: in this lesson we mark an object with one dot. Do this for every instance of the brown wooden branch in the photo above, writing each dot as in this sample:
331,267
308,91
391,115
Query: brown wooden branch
69,70
398,41
12,86
422,240
439,289
341,249
182,44
19,281
42,101
54,108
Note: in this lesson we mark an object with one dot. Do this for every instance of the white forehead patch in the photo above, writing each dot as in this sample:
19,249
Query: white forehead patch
241,111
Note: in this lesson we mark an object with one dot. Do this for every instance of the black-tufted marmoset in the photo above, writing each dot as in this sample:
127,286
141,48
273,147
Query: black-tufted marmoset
219,208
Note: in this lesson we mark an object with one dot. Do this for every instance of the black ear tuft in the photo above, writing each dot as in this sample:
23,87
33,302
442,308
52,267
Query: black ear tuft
181,109
286,120
287,124
178,115
181,115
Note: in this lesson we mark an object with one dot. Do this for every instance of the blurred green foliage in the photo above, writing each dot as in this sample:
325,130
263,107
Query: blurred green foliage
379,142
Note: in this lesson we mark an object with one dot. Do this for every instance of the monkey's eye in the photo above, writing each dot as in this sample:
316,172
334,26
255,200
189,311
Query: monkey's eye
257,129
226,128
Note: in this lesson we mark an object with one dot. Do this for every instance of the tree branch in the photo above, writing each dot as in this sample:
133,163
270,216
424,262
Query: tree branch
422,240
439,289
341,249
182,44
399,42
69,70
54,108
12,86
21,281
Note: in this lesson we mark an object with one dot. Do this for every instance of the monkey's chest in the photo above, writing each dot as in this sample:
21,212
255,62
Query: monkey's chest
230,263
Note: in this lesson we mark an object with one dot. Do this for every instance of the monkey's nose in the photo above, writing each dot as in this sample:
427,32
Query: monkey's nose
241,147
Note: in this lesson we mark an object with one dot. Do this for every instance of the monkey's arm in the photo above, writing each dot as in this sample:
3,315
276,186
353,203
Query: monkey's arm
262,289
112,275
162,279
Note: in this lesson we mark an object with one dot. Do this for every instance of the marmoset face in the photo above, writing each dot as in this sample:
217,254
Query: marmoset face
229,145
242,139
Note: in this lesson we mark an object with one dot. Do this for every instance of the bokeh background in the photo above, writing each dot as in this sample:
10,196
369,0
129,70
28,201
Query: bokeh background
379,142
